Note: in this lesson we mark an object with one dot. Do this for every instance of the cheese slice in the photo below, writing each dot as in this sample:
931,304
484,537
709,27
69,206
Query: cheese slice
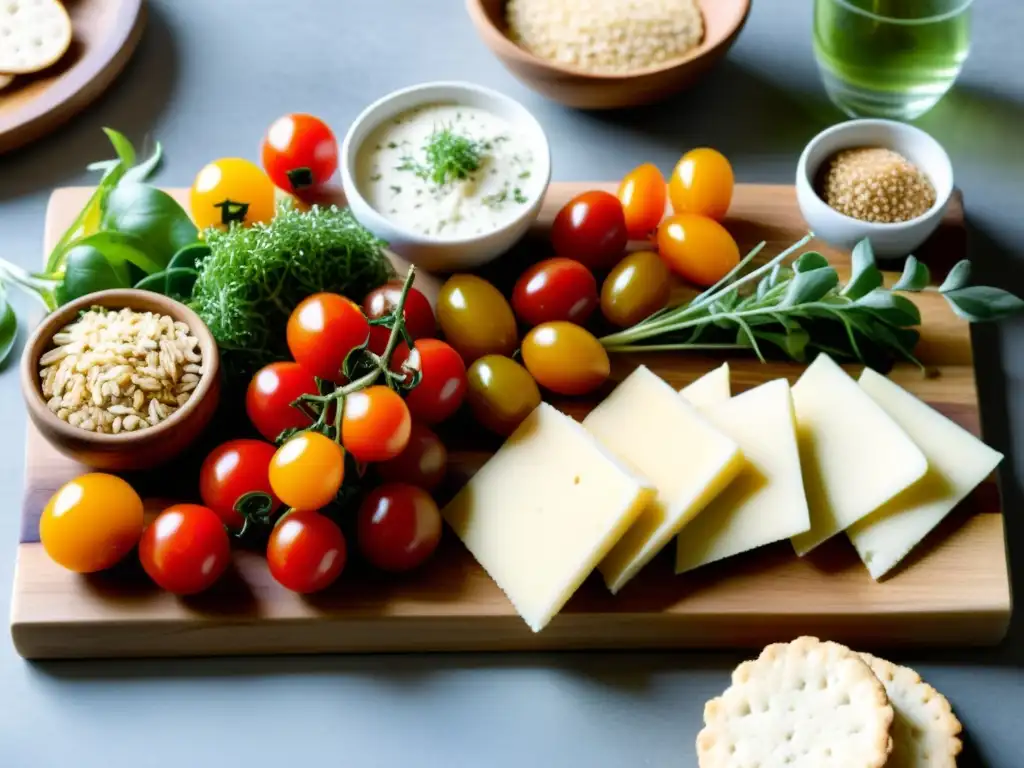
650,427
766,502
709,389
544,510
855,457
957,463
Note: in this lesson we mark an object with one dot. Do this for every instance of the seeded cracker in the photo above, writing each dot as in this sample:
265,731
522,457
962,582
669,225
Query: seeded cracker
804,704
925,732
33,35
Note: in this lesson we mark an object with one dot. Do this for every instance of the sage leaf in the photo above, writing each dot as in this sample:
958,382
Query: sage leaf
891,307
959,276
763,287
810,286
809,261
915,276
983,303
794,343
864,274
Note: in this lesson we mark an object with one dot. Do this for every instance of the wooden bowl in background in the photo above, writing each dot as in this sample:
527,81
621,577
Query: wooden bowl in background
723,21
124,451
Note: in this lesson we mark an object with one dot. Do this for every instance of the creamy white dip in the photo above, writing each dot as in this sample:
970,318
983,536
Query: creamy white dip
395,174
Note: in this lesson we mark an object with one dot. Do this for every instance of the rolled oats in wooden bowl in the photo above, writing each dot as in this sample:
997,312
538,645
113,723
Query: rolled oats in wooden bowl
122,379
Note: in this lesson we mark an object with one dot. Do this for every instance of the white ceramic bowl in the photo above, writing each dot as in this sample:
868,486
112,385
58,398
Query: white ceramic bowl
888,240
440,254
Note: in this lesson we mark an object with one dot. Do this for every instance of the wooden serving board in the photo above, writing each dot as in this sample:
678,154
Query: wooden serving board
106,33
954,591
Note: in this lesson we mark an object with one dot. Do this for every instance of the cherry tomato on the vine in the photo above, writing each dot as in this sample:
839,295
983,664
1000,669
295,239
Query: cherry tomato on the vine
91,522
638,286
501,393
306,472
591,228
476,319
417,312
555,289
702,183
399,527
269,398
442,385
185,549
423,463
375,425
322,330
306,552
565,358
698,249
231,190
230,471
642,194
299,152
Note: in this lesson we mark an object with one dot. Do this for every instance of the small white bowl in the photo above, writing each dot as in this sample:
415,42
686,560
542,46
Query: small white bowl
439,254
888,240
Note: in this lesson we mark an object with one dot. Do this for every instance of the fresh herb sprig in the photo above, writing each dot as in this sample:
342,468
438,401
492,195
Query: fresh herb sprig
799,307
450,157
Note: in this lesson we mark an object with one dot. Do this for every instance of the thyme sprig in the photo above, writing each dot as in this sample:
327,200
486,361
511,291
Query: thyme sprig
449,157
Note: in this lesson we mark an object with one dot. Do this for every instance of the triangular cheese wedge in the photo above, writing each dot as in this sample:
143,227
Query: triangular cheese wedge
710,389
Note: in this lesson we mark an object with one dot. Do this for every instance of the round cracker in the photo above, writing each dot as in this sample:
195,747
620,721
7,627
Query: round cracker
804,704
34,34
925,732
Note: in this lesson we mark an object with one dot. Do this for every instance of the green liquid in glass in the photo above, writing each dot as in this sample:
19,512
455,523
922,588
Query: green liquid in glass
890,58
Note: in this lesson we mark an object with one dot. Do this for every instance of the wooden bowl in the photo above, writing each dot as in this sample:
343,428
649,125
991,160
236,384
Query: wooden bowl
723,21
124,451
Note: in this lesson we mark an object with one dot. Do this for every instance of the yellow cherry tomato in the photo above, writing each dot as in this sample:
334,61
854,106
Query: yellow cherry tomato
306,472
91,523
476,319
232,190
698,249
702,183
565,358
638,286
501,393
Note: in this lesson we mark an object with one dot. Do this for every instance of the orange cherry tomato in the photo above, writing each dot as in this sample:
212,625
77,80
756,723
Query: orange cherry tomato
375,425
186,549
91,522
642,194
322,330
306,472
232,190
565,358
698,249
702,183
638,286
501,393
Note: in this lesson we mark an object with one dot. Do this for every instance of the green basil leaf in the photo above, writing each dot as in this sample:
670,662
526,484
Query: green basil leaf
915,276
190,256
152,216
809,261
87,270
8,325
983,303
180,282
156,282
959,276
120,249
891,307
123,147
810,286
145,169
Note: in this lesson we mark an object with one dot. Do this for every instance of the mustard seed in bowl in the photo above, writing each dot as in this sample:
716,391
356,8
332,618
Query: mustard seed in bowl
877,185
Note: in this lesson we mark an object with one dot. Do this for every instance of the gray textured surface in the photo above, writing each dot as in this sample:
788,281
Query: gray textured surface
207,80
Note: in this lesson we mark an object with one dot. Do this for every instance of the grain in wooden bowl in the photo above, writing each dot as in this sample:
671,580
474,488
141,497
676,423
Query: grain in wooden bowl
576,86
155,386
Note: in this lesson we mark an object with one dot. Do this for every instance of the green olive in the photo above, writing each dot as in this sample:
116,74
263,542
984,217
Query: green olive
476,319
638,286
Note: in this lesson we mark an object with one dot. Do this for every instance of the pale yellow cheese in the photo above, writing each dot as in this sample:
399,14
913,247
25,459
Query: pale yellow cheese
957,463
854,456
650,427
766,501
544,510
711,388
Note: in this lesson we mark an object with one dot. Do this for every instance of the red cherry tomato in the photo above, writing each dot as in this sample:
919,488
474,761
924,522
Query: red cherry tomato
419,315
443,383
399,527
375,425
423,463
299,152
232,470
555,289
642,194
306,552
322,330
273,389
591,228
185,549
